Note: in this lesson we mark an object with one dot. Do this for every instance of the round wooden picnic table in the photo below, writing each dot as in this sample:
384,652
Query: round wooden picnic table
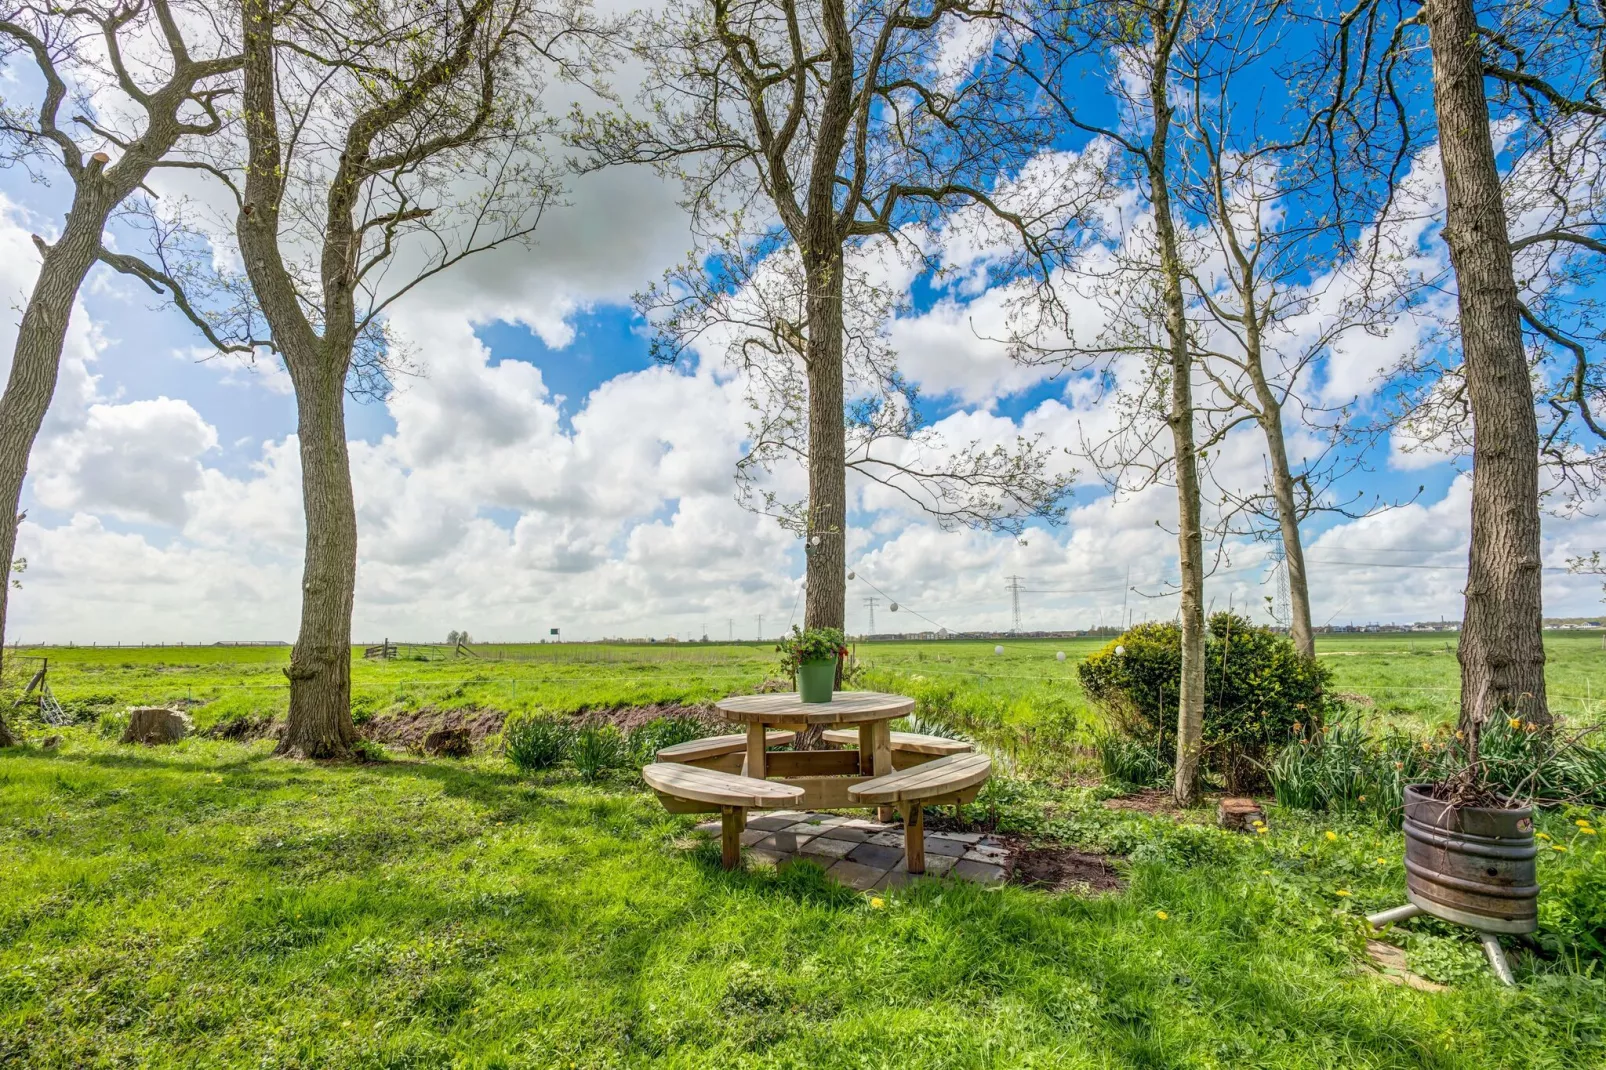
825,776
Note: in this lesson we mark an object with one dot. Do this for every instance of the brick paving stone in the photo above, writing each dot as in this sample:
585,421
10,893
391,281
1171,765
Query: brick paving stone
980,872
752,836
709,826
771,822
894,878
964,837
827,847
866,823
845,832
985,853
889,838
807,828
939,865
786,841
942,845
878,855
855,875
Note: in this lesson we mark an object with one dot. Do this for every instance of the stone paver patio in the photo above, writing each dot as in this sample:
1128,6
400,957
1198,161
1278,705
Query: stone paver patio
862,853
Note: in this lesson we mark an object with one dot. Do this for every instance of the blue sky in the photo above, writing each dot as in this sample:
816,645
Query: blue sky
544,471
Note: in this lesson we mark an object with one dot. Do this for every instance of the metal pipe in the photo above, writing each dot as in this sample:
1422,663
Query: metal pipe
1497,958
1409,910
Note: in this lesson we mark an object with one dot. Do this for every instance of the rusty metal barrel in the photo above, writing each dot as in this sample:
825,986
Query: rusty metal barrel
1472,865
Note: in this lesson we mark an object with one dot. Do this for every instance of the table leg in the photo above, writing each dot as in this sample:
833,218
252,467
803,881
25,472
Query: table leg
755,751
881,761
867,748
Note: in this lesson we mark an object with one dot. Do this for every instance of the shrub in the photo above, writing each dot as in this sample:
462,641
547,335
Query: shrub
597,750
661,732
533,742
1258,692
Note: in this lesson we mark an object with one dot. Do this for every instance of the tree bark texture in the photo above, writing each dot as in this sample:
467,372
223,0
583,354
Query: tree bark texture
1190,537
320,724
1501,650
36,360
827,517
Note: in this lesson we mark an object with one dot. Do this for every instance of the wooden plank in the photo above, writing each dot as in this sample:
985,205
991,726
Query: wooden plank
812,763
686,806
866,734
709,786
827,792
912,742
934,779
695,750
725,763
903,759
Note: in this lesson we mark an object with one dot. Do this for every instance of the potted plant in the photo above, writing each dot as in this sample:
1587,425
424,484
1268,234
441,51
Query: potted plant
812,656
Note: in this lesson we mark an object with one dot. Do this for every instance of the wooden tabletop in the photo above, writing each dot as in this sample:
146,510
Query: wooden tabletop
845,707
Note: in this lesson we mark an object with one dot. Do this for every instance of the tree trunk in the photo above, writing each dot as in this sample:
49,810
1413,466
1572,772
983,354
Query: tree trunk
1190,537
36,361
1501,650
827,519
320,665
1282,488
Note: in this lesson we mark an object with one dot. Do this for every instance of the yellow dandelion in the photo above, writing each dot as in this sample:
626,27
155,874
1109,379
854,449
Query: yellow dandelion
1586,832
1265,873
1582,823
1558,847
1257,823
1331,834
1542,835
1262,830
1382,861
1342,892
1515,722
878,902
1162,915
1360,798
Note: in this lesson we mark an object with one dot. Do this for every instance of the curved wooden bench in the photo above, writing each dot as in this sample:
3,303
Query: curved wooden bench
686,789
954,779
908,748
725,753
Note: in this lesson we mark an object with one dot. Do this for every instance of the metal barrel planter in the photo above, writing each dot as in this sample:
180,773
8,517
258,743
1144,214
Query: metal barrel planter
1471,865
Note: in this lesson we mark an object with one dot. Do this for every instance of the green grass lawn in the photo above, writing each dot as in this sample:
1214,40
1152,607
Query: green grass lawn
208,905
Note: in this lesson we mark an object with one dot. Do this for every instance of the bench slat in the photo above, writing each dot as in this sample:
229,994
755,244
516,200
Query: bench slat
712,786
714,746
913,742
945,776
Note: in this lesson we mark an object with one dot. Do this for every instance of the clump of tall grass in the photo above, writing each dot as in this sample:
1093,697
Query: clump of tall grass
597,750
533,742
1130,763
660,732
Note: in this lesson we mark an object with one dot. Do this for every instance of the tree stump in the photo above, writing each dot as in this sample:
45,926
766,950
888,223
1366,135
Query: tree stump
152,725
1239,815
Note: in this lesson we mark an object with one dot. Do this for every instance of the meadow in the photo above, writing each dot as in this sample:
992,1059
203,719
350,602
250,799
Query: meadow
205,904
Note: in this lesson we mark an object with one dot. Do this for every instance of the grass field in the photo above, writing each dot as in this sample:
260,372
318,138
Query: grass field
208,905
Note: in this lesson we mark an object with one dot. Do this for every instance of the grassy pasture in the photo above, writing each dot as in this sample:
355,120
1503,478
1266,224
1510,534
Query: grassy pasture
207,905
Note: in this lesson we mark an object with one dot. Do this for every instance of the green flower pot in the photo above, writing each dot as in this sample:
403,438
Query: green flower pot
815,680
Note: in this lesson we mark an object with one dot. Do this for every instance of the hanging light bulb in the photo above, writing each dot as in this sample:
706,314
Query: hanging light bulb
1060,656
815,540
850,573
895,607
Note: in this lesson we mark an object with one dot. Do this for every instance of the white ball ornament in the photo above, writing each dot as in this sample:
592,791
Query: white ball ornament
1120,650
1060,656
998,650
